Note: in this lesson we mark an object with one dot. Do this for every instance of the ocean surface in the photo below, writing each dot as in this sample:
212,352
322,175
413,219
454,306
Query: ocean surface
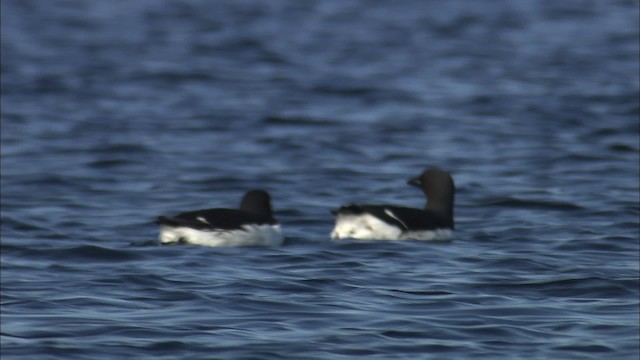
115,112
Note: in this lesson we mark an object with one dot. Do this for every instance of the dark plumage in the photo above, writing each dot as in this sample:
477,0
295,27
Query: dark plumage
255,208
405,218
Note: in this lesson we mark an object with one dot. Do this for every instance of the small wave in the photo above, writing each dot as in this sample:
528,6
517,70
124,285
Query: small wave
424,293
83,253
168,345
590,348
101,253
120,148
171,76
145,243
15,224
298,121
571,287
110,163
622,148
511,202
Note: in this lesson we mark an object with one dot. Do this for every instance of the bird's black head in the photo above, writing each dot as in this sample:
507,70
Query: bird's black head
433,182
257,201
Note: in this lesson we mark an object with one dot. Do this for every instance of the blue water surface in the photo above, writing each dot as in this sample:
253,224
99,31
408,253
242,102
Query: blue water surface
115,112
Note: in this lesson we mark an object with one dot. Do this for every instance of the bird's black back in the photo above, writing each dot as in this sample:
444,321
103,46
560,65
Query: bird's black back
223,219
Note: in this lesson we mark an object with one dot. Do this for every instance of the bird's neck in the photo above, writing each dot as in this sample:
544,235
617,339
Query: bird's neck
441,207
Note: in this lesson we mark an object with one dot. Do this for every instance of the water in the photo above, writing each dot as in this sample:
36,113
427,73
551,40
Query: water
115,112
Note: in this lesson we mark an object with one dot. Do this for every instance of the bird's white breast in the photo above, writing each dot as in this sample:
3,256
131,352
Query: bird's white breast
369,227
249,235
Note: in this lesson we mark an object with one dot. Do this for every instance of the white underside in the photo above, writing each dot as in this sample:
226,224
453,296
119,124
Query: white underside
369,227
249,235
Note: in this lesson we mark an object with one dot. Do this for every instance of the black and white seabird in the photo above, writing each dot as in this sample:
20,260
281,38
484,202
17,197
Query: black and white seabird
252,224
389,222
